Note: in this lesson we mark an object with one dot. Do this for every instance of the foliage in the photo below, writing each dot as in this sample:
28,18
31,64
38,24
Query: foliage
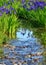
35,17
43,38
8,25
40,33
14,14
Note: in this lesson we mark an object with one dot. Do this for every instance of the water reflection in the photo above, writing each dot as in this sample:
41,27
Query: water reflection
24,34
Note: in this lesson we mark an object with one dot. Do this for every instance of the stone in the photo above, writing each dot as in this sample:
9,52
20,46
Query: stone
2,64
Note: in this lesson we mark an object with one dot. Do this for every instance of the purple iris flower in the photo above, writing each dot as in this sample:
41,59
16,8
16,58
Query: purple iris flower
7,11
1,8
24,6
39,4
31,8
23,1
11,8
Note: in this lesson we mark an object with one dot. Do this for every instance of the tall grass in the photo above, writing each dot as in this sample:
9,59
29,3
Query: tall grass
20,17
35,19
8,25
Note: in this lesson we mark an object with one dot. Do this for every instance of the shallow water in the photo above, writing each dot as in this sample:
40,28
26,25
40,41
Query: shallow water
27,50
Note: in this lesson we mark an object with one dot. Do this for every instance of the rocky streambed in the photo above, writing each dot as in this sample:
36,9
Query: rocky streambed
23,52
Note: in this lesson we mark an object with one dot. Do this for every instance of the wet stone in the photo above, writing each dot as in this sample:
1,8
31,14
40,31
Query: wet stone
11,55
7,62
23,51
6,50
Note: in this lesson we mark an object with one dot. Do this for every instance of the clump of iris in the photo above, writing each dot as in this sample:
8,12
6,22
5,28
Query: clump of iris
31,5
4,7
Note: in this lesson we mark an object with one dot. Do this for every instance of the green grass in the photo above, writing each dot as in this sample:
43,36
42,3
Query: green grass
29,19
34,19
37,18
40,33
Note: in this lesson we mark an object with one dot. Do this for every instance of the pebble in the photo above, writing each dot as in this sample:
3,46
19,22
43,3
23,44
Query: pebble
15,64
21,52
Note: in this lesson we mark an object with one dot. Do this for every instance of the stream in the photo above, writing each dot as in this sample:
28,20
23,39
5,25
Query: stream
25,50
